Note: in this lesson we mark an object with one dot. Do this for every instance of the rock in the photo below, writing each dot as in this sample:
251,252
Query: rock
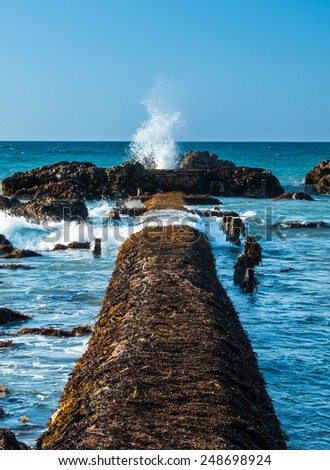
2,413
8,441
252,251
9,316
85,181
75,180
295,195
233,182
21,254
240,269
286,270
15,266
5,245
79,245
59,246
48,208
114,214
319,177
8,343
82,330
39,210
201,200
169,365
317,224
72,245
193,160
250,283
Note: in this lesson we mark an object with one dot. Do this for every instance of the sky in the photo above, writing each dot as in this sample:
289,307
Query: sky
240,70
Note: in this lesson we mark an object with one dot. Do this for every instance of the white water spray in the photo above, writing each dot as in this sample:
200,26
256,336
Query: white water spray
154,143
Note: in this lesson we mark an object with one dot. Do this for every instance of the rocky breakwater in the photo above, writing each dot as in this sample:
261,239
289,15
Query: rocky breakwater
319,177
198,174
169,365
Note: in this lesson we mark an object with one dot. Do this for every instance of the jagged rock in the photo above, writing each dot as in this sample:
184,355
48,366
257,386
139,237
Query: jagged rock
250,283
8,441
21,254
48,208
295,195
86,181
15,266
252,251
240,269
202,159
81,330
319,177
2,413
39,210
8,316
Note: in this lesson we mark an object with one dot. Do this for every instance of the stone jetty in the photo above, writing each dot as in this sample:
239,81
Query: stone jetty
169,365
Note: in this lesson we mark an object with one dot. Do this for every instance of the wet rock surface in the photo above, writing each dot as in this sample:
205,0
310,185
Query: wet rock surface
8,441
86,181
300,195
169,365
15,266
319,177
9,316
17,254
48,208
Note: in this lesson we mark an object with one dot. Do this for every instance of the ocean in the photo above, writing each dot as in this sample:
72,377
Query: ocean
287,319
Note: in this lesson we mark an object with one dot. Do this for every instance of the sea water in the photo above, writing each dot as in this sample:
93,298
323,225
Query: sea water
287,319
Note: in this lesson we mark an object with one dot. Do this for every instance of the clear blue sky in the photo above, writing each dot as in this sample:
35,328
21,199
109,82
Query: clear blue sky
240,69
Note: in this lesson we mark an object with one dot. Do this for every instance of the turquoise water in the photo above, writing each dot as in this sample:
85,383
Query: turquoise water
287,320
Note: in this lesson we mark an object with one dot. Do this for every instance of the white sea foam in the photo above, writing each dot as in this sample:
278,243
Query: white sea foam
154,143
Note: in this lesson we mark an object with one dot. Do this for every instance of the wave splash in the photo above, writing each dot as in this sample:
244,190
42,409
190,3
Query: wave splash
154,143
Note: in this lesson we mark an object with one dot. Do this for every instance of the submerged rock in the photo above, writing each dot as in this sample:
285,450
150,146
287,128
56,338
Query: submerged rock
9,316
8,441
199,159
169,365
21,254
319,177
81,330
295,195
15,266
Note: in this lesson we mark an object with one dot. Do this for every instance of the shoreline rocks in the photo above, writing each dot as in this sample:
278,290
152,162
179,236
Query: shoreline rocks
169,365
319,177
300,195
10,316
81,330
82,181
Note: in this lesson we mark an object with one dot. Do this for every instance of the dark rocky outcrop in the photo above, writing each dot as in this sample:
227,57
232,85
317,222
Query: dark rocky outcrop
8,441
48,208
236,182
319,177
197,159
81,330
17,254
2,414
8,343
295,195
169,365
86,181
72,245
9,316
